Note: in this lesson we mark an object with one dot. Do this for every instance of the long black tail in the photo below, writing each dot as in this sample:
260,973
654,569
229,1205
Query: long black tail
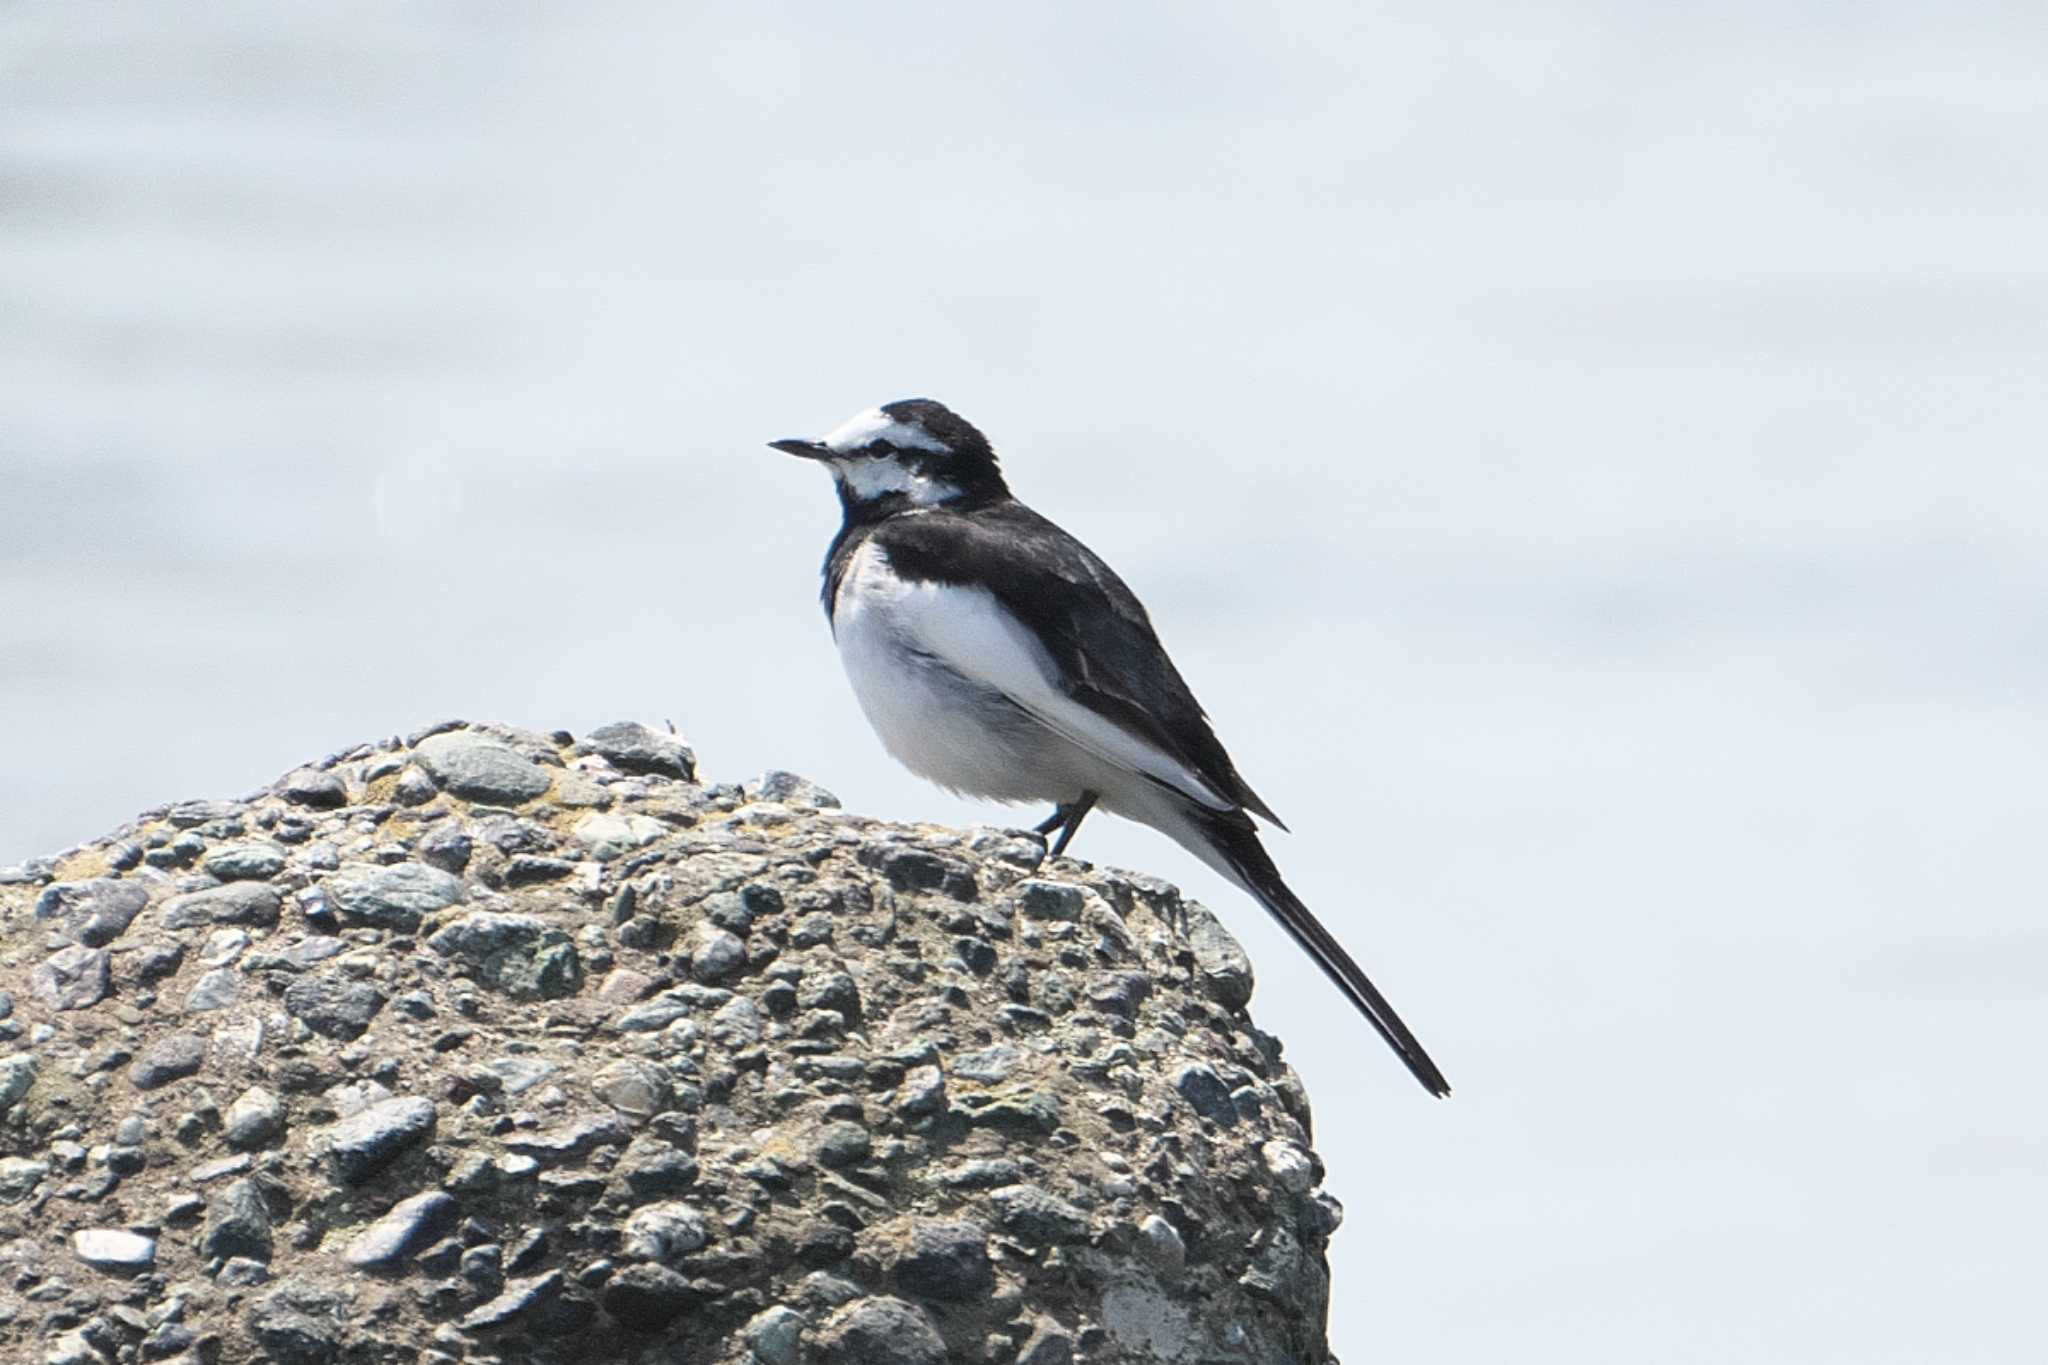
1236,840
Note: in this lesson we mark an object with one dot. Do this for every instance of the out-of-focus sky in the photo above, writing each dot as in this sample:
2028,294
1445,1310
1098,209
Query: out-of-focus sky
1589,459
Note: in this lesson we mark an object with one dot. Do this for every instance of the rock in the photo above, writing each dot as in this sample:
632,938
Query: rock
635,1088
95,912
715,954
1048,1344
1201,1087
633,748
1050,900
665,1232
480,769
518,1296
879,1331
235,903
989,1064
395,897
790,790
297,1323
237,1223
652,1166
842,1144
923,1092
447,848
1225,969
114,1249
1292,1169
609,836
522,955
311,787
73,978
409,1224
917,869
333,1004
848,1091
1037,1217
945,1260
17,1074
215,990
647,1297
245,862
360,1146
170,1059
255,1119
19,1176
774,1335
1163,1245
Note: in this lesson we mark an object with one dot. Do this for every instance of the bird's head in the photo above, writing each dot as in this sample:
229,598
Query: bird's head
913,452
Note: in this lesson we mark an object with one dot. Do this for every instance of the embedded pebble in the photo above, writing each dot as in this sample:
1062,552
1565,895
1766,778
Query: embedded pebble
480,769
95,912
170,1059
73,978
113,1248
407,1225
363,1144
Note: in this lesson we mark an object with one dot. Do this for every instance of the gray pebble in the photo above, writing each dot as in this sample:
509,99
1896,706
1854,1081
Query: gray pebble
1038,1217
332,1004
245,862
73,978
633,748
879,1331
715,954
167,1060
312,787
17,1075
254,1119
789,790
647,1297
946,1260
518,1296
235,903
394,897
1201,1087
408,1224
665,1232
93,913
360,1146
481,769
113,1248
237,1223
214,990
774,1334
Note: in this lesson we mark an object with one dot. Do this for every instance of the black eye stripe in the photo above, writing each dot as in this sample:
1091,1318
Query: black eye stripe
882,447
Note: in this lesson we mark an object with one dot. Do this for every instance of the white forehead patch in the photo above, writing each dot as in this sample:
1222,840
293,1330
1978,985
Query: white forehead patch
873,424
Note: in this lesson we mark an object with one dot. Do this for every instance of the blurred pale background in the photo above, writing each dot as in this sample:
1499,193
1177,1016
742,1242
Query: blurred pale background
1588,458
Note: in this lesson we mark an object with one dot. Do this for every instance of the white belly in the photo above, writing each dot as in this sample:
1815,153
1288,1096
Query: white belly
965,735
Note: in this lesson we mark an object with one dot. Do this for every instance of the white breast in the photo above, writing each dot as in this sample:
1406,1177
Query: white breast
960,692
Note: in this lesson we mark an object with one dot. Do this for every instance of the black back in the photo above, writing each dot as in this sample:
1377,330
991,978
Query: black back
1096,630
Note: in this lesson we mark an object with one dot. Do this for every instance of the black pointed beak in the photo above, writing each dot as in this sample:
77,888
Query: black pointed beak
809,450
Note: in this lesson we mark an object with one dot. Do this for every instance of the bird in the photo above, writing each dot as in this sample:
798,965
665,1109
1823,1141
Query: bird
997,656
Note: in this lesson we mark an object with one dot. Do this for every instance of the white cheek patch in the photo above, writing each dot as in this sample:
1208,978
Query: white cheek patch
870,477
874,423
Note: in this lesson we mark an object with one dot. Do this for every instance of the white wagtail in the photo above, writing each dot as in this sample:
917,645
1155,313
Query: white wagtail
997,656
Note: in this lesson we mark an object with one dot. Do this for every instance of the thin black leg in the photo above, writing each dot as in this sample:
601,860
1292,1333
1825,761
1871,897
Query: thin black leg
1074,815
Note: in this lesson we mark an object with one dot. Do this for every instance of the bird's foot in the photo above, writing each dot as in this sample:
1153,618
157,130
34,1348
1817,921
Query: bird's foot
1067,820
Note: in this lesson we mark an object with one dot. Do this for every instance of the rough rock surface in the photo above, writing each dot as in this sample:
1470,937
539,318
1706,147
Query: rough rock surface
490,1046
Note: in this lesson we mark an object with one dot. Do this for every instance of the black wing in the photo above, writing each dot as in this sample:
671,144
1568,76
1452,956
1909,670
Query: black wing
1094,627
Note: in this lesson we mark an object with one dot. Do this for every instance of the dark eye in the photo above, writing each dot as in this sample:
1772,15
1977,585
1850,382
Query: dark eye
878,446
